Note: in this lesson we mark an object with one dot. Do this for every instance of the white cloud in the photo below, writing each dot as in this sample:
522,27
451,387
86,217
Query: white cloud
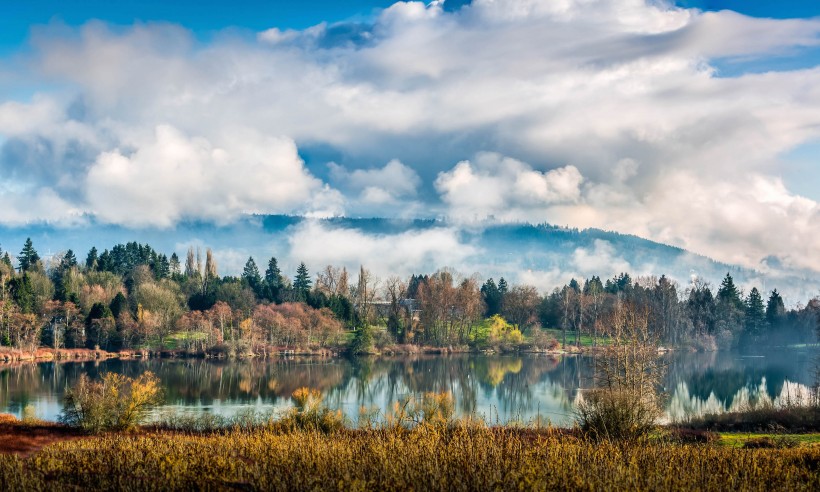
504,188
391,254
601,260
171,177
605,113
381,185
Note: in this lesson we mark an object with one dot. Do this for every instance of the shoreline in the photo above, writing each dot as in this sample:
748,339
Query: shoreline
16,356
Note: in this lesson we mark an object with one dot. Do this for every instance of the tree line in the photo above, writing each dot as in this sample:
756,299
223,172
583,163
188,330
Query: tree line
133,297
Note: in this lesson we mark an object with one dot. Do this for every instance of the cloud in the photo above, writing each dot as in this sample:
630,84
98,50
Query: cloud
382,185
404,253
601,260
590,113
504,188
171,177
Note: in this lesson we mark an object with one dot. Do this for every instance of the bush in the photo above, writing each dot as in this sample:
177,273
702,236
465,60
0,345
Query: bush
116,402
310,413
626,404
620,415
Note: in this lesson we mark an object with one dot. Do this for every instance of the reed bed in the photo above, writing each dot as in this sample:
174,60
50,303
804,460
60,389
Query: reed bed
426,457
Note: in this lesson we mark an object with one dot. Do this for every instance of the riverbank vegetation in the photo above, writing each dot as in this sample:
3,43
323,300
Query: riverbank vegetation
426,457
135,301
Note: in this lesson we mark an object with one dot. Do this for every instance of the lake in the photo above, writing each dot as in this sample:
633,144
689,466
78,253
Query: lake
496,388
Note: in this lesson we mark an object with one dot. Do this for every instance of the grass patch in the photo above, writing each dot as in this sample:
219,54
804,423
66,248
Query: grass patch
422,458
586,340
738,440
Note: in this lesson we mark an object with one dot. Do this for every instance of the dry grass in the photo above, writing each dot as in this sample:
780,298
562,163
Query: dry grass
426,457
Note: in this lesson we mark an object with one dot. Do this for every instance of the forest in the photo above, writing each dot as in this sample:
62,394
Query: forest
131,297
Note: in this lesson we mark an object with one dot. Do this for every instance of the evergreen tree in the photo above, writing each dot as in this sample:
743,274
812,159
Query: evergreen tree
728,293
273,276
492,298
250,275
7,259
22,293
69,260
273,281
302,282
118,305
173,265
162,267
701,307
91,259
502,287
28,257
755,313
775,310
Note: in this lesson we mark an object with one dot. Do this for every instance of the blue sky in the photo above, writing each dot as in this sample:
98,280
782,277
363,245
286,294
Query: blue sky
207,16
695,124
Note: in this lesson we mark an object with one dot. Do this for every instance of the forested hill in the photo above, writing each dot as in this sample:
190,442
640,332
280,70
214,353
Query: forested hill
543,255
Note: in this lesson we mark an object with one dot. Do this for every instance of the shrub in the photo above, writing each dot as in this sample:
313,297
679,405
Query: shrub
622,415
116,402
626,404
310,413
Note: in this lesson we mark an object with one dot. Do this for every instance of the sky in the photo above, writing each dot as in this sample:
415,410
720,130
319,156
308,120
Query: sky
694,123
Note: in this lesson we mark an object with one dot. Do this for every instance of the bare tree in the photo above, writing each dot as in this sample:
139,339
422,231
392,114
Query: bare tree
625,403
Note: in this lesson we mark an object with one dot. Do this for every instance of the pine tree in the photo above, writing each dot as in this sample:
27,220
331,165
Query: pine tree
28,257
775,309
7,259
91,259
492,298
69,260
502,286
273,276
302,282
250,275
173,264
755,313
162,268
728,294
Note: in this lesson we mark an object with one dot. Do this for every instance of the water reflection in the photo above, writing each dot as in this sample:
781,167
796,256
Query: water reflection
496,388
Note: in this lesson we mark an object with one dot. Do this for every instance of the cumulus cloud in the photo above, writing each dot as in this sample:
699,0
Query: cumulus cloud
172,177
591,113
383,185
504,188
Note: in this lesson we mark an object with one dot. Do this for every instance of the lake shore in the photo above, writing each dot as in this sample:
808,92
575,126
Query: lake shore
11,356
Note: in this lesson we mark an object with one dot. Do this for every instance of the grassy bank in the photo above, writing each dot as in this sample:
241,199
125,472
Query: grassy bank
425,458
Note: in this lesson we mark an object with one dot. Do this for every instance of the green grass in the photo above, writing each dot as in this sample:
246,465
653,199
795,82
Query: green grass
738,439
586,340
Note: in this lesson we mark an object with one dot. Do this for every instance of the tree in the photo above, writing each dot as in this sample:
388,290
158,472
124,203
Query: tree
521,305
701,307
302,282
728,294
250,275
162,267
775,310
273,281
502,287
191,269
173,265
91,259
22,293
625,403
69,259
493,298
28,257
755,314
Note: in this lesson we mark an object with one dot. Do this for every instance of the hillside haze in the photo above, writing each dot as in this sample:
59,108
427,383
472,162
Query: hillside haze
545,256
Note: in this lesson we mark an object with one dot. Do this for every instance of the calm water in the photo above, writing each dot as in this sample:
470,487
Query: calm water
497,388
